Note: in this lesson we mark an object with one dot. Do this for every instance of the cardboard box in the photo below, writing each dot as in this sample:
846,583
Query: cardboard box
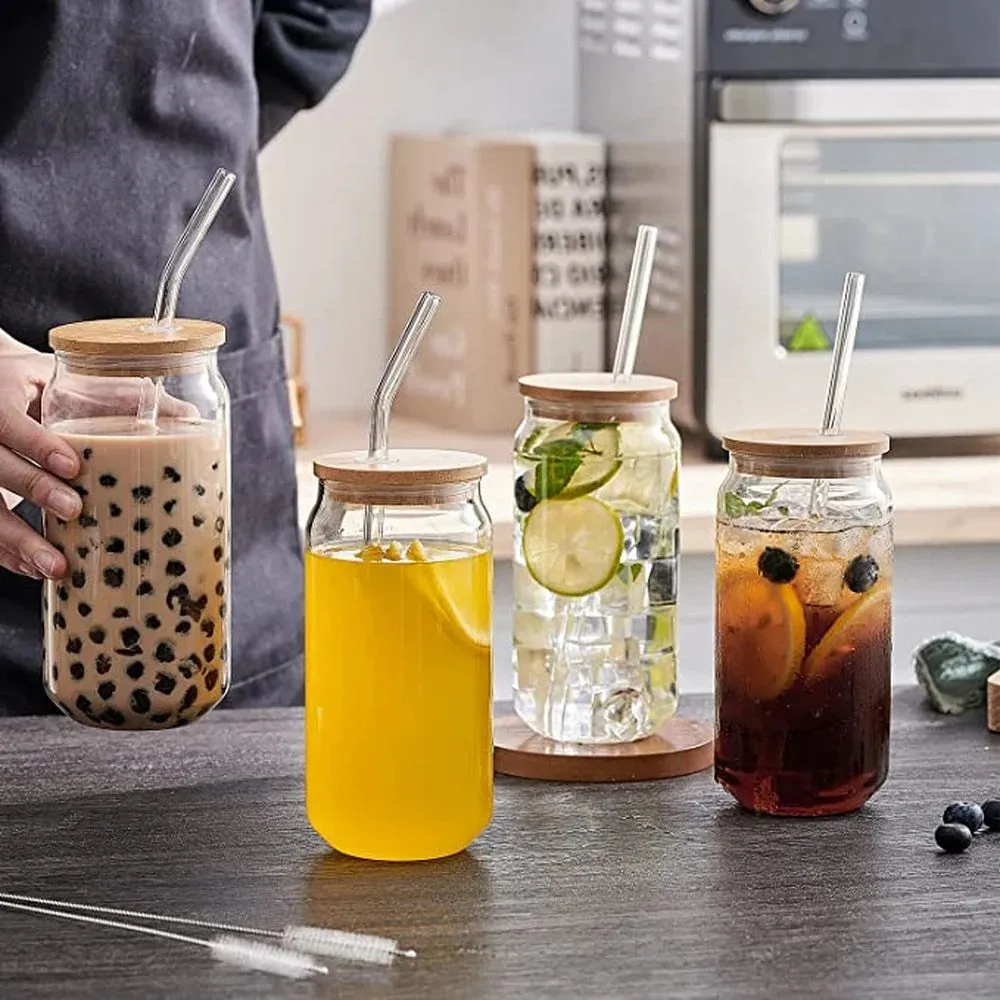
461,218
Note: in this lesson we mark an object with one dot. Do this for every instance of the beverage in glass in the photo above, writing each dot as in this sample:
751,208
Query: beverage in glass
596,464
804,567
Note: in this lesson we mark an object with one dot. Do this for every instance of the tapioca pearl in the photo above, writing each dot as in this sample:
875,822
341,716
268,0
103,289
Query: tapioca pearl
211,679
114,577
165,652
97,635
169,506
171,475
139,701
152,622
220,589
190,666
80,491
115,546
63,594
178,593
208,628
172,537
183,628
221,495
209,652
217,553
165,683
141,558
129,650
108,480
87,521
87,452
83,704
74,644
82,551
114,510
106,689
78,578
224,652
197,520
144,589
140,525
215,466
222,610
141,494
135,670
58,620
130,636
219,524
77,670
120,613
160,717
112,717
199,490
190,697
55,672
84,608
175,567
103,663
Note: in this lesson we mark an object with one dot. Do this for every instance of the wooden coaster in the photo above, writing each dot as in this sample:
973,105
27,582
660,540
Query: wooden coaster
993,703
681,746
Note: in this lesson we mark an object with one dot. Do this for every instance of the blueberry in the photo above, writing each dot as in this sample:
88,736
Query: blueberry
861,574
953,837
523,497
966,813
777,565
991,814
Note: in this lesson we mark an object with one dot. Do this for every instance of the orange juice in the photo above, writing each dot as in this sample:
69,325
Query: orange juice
399,740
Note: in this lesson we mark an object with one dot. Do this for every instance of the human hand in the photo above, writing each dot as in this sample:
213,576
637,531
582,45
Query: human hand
33,463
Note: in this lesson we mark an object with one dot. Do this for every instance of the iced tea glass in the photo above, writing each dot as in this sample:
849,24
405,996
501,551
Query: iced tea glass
803,643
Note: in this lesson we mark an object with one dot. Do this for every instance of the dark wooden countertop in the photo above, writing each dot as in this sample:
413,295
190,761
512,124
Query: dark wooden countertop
646,890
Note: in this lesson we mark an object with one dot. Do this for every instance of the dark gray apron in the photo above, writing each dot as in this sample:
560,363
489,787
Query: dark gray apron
113,117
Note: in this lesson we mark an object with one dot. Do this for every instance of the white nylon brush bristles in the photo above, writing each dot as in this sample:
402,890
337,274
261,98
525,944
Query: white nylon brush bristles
345,945
263,957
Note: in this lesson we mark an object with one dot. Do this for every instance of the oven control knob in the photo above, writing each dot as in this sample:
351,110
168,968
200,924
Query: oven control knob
773,7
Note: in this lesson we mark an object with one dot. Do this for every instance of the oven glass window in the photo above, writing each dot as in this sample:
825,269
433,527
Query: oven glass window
921,218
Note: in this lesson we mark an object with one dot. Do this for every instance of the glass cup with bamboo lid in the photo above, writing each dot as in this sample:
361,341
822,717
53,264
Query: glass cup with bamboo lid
399,654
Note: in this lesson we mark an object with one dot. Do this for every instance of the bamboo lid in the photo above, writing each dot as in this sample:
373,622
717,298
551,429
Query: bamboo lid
407,467
802,443
134,337
597,387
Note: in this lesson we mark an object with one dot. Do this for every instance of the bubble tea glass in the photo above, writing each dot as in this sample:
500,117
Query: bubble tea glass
596,463
399,735
803,621
137,635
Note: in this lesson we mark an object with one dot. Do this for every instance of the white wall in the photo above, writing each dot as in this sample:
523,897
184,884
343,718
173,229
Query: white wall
426,65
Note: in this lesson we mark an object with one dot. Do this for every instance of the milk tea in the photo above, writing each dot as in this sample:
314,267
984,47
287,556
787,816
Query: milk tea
136,636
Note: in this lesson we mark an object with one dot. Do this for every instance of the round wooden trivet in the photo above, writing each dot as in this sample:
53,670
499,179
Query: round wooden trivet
993,703
681,746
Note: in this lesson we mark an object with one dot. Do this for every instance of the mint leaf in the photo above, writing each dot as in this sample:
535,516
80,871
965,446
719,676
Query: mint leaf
629,573
733,505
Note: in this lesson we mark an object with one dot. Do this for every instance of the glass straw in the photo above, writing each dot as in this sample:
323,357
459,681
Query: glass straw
187,246
843,348
165,308
385,393
836,391
635,301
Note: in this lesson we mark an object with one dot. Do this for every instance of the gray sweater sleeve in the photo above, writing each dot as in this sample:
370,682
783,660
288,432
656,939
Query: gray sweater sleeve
302,48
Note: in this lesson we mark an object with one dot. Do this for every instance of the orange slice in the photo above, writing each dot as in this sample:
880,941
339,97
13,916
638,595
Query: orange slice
761,631
864,622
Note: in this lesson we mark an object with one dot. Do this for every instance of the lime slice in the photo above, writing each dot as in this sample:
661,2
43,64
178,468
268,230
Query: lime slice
647,481
572,547
575,459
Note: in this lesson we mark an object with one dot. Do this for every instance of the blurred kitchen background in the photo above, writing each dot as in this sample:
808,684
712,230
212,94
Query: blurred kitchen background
776,143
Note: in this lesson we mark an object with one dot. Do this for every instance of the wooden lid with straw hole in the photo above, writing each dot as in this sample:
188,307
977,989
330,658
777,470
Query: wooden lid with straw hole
597,387
136,337
799,442
407,467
